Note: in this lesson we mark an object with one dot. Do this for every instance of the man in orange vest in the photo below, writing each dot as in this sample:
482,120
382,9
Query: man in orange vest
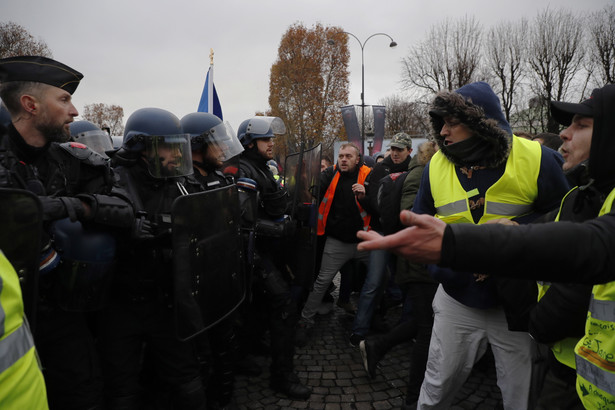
340,215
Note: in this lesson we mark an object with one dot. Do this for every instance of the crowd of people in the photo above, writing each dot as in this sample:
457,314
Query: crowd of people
141,301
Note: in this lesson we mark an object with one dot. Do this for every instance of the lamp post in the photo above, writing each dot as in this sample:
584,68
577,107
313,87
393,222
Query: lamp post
362,44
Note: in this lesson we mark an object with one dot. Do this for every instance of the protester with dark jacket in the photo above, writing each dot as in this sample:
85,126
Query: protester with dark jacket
340,215
377,278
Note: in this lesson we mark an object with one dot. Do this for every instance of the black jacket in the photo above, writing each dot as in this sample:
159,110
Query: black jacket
344,219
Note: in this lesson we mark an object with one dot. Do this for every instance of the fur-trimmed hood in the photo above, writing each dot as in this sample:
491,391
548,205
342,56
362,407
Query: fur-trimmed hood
477,107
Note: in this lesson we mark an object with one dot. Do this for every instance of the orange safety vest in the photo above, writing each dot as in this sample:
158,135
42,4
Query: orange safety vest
325,204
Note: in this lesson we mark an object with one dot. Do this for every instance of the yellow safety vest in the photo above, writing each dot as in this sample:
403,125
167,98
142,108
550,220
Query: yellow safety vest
595,352
512,195
563,350
21,381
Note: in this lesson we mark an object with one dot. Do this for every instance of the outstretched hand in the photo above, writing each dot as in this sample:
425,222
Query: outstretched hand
420,242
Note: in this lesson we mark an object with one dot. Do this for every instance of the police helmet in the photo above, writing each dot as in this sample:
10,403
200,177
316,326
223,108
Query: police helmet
259,127
91,135
207,130
159,135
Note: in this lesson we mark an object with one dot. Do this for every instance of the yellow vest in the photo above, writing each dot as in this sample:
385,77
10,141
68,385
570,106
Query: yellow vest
595,352
21,381
563,350
512,195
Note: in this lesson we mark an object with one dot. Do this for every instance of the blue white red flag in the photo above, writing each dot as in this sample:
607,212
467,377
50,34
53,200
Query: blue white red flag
209,98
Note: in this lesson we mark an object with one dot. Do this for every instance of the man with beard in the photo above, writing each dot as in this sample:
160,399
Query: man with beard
213,143
481,174
72,182
155,167
271,288
340,215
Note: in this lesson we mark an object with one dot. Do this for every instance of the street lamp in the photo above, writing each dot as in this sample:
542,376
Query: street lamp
362,44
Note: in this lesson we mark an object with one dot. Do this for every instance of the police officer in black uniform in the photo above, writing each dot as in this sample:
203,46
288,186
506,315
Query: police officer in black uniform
154,166
213,144
272,226
74,185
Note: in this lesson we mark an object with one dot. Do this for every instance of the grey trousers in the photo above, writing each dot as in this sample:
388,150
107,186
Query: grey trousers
334,256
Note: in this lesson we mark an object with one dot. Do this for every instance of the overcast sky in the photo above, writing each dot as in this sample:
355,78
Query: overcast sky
155,53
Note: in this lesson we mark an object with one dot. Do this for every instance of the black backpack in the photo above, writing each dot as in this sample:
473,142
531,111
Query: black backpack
389,201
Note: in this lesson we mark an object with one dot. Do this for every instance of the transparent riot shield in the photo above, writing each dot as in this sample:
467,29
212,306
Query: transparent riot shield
208,262
20,240
302,179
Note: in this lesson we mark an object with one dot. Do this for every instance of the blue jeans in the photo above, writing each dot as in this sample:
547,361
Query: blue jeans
372,291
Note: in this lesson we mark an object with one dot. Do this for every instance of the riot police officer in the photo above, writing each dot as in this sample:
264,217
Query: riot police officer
213,143
74,184
154,165
271,279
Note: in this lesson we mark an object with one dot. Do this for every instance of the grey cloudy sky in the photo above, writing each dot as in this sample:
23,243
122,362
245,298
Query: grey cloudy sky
155,53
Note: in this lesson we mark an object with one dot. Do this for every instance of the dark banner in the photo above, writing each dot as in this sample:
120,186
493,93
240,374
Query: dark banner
351,124
379,116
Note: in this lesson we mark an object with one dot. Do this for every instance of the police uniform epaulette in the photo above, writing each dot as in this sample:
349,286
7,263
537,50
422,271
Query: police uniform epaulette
84,153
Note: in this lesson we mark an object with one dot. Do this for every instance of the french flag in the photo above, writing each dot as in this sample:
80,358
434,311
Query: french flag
209,98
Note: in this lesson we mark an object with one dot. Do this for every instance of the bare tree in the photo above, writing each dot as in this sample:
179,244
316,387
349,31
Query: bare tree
556,56
505,59
105,116
602,45
447,59
406,116
15,41
308,84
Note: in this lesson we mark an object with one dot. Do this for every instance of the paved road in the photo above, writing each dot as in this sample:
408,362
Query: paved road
335,372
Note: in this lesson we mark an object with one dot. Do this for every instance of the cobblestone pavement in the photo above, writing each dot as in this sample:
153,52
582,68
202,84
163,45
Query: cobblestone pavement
335,372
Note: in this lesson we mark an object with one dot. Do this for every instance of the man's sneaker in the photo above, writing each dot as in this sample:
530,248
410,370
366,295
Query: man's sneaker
355,339
290,386
371,354
302,332
348,307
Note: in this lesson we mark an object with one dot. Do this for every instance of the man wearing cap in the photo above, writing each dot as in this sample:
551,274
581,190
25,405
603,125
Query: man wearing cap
542,251
558,320
481,174
72,182
377,278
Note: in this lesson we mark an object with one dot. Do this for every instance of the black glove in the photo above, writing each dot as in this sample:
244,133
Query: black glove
55,208
142,229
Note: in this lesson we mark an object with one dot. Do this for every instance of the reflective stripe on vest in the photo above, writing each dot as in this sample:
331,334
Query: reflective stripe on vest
595,352
327,200
510,196
19,341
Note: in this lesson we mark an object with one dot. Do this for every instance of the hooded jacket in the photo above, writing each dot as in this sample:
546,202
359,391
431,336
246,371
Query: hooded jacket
477,107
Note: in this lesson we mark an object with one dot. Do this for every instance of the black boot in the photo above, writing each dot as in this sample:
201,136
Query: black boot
290,385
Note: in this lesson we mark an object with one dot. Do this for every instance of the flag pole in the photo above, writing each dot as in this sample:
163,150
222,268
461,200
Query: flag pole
210,85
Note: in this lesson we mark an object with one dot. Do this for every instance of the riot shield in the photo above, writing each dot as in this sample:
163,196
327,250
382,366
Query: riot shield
208,263
20,240
302,179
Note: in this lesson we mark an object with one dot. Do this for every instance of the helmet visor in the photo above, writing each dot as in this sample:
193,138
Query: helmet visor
263,125
168,155
221,143
97,141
